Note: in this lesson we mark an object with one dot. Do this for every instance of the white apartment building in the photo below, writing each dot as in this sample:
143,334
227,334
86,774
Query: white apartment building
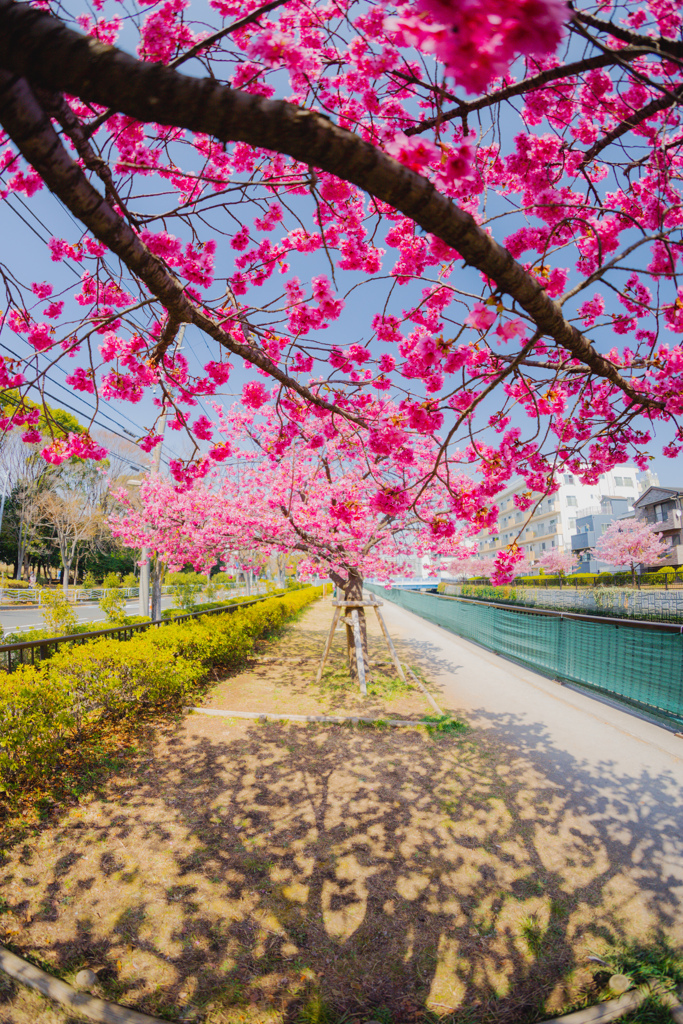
552,523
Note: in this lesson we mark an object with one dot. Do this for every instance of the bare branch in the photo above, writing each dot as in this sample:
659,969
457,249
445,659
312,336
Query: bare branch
637,117
527,85
248,19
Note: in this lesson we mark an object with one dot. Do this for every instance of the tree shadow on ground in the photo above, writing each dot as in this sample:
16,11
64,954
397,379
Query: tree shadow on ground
287,681
275,872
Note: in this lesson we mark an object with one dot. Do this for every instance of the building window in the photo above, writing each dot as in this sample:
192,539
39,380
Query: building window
571,501
660,513
568,478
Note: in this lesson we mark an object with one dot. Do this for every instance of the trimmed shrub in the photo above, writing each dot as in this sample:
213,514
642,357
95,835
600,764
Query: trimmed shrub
113,604
58,615
222,579
487,592
206,606
45,709
176,578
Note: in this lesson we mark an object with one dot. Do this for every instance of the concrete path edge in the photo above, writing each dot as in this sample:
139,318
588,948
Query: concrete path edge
267,716
81,1003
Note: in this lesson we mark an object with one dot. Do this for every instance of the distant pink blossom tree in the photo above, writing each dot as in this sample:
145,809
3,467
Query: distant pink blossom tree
556,562
470,565
630,542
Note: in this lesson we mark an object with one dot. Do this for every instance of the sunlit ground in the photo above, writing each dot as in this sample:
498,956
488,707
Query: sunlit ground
273,872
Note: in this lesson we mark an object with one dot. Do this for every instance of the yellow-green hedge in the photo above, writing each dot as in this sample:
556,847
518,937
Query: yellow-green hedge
44,710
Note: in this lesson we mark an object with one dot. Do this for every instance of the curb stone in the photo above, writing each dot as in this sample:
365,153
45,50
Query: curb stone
81,1003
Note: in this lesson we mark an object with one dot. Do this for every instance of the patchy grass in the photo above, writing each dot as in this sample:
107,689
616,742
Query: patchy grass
385,683
285,684
444,723
647,961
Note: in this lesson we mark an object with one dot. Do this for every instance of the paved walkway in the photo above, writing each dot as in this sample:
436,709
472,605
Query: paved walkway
622,775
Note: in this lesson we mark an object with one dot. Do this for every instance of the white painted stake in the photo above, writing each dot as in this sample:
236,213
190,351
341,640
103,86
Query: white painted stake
355,618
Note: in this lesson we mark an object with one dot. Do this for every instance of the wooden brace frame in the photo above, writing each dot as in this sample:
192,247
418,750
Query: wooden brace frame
353,624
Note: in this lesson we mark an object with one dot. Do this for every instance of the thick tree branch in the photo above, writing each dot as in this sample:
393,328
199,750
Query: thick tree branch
56,106
203,44
37,45
30,129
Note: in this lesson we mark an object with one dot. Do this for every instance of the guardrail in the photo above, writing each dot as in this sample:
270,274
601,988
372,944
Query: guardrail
631,661
46,647
33,595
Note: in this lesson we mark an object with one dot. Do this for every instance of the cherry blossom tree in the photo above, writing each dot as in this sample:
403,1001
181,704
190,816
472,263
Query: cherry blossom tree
496,182
469,564
630,542
556,562
298,491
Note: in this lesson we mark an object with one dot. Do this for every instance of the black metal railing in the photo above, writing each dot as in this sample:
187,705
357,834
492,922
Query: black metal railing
46,647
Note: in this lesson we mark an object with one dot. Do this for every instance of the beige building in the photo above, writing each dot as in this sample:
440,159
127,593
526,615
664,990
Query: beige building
553,521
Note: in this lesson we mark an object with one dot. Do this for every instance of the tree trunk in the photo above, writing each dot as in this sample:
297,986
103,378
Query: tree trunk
21,552
157,573
353,591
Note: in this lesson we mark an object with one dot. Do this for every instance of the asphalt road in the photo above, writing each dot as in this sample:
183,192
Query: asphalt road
21,618
580,770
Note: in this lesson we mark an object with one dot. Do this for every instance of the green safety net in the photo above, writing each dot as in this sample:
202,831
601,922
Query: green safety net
639,666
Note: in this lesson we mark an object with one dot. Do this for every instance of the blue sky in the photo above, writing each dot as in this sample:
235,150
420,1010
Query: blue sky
25,226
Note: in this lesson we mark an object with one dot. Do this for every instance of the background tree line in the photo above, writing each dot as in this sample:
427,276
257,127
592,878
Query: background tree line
54,521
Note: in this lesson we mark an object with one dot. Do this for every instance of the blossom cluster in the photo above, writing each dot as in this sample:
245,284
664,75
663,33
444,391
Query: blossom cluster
347,306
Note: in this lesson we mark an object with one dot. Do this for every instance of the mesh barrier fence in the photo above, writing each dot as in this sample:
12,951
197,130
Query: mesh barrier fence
638,665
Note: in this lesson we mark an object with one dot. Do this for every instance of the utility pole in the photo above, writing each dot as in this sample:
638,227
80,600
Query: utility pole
2,502
145,554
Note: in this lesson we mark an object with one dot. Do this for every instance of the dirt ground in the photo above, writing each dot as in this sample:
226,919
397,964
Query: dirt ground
285,682
239,871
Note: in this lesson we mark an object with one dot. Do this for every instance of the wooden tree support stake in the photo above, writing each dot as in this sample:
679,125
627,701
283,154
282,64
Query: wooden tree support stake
328,643
390,644
355,618
352,607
